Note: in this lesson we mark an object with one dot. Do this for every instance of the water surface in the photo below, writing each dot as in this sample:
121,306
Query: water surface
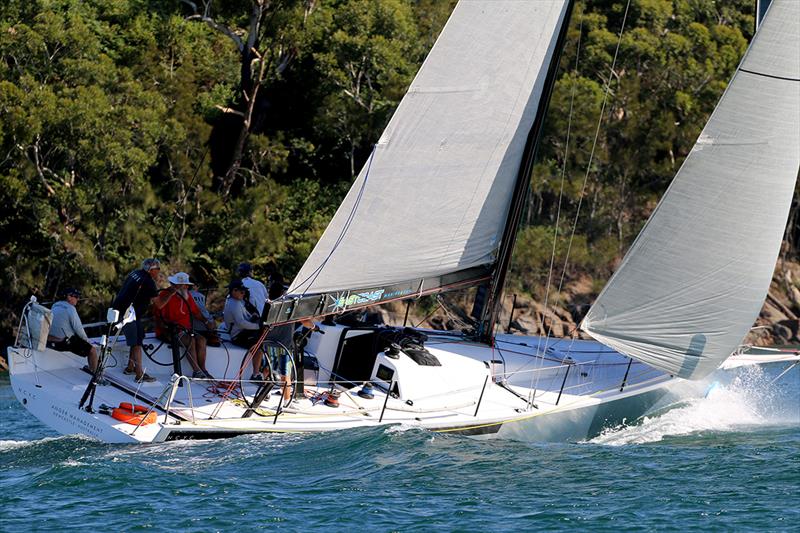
730,461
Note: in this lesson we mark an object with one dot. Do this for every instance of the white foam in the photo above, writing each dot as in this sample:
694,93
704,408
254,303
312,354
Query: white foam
12,444
748,401
400,428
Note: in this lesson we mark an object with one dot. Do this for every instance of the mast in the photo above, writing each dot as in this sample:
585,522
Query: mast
491,308
429,209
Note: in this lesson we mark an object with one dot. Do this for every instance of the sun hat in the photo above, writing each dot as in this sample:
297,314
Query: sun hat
181,278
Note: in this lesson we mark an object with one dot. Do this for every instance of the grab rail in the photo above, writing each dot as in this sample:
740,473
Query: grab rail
176,380
477,400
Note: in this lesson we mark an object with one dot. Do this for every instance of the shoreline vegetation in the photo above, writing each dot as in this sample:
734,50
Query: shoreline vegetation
209,133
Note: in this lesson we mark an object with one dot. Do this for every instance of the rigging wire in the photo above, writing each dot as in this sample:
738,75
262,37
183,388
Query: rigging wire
180,201
561,189
351,216
448,310
594,145
439,306
589,163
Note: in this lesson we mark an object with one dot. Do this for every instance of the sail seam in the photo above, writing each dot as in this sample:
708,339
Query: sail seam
768,75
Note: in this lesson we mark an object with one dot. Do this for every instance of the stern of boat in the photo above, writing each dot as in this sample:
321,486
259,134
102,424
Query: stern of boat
38,381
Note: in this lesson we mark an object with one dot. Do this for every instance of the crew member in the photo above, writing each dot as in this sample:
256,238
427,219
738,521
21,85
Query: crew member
177,309
67,333
137,291
243,325
257,290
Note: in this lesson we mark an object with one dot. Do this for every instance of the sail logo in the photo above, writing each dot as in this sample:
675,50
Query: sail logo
347,300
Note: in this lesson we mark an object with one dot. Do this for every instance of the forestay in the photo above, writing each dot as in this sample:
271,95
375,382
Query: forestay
430,204
694,280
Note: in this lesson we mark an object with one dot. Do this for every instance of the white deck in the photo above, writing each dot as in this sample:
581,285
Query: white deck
462,395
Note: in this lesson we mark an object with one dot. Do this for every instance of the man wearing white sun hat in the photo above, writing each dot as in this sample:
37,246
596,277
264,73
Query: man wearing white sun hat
176,307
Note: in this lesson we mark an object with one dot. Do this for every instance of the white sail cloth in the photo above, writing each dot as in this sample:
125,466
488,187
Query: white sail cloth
694,280
434,196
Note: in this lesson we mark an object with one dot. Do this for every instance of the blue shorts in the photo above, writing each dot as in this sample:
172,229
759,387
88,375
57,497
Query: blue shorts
280,360
134,333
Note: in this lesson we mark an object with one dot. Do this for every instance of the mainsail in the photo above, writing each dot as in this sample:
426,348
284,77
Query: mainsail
429,207
693,282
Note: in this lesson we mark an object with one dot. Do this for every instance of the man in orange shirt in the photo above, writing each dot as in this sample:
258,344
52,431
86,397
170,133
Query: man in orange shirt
176,308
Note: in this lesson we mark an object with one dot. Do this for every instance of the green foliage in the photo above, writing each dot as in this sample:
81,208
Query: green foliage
675,58
536,259
302,217
107,109
366,56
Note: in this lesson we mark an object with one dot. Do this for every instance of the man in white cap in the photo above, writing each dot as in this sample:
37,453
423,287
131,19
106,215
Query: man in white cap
177,309
256,290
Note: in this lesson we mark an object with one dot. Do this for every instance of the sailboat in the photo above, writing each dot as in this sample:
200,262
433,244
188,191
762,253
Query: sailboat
435,208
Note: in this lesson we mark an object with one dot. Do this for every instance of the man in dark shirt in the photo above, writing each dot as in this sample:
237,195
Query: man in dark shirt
138,290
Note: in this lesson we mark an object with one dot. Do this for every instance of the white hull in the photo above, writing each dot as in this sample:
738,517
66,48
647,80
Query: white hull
460,396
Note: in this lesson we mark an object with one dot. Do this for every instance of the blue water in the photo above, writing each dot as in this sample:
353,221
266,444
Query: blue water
727,462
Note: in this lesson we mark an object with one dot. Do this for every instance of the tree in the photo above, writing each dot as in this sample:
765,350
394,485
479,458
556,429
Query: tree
267,40
367,57
673,64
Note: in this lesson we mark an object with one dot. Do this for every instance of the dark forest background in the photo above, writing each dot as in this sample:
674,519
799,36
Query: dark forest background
209,133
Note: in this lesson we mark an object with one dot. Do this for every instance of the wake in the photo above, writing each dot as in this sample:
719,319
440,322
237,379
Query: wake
748,401
6,445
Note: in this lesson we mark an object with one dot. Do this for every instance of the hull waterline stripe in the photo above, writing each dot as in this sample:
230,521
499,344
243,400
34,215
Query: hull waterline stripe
177,434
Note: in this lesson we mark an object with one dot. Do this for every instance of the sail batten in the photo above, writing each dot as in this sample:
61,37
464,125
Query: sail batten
433,198
694,280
